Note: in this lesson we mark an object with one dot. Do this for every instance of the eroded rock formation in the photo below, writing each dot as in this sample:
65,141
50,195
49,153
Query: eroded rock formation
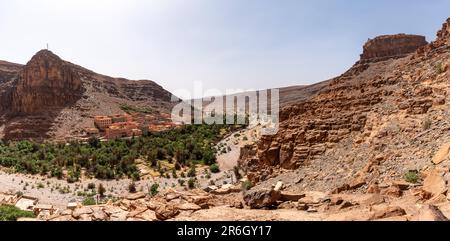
389,46
45,82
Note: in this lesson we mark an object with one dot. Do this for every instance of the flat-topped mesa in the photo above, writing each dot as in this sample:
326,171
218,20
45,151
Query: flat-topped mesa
391,46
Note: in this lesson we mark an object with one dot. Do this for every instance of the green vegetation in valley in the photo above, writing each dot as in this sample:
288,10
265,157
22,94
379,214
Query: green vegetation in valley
11,213
134,109
185,146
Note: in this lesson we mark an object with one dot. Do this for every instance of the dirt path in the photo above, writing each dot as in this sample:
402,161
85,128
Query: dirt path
228,155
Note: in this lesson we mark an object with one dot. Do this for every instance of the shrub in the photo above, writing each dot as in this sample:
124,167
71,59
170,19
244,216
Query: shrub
191,183
89,201
192,172
101,190
440,68
11,213
132,187
214,168
154,189
91,186
174,173
412,176
57,172
177,166
237,174
247,185
181,182
426,125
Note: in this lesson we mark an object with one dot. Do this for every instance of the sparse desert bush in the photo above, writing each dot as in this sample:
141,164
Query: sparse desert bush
426,125
440,68
247,185
132,187
101,190
91,186
412,176
192,172
154,189
89,201
191,183
214,168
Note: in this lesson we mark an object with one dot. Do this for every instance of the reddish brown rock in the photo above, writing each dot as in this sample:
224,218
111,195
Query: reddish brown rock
392,45
388,212
165,212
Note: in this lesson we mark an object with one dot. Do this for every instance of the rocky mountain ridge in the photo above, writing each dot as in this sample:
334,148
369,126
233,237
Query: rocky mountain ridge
49,98
375,122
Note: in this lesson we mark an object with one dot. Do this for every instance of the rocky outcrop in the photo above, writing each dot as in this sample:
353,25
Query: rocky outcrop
390,46
442,40
45,82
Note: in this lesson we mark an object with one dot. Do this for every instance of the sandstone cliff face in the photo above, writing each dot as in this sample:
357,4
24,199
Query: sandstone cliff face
45,82
368,120
52,98
389,46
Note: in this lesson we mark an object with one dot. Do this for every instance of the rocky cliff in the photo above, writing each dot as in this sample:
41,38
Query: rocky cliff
45,82
52,98
390,46
371,124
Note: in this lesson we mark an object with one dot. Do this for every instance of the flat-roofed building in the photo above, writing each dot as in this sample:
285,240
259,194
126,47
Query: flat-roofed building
103,122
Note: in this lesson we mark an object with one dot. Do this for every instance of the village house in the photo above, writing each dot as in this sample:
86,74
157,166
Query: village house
103,122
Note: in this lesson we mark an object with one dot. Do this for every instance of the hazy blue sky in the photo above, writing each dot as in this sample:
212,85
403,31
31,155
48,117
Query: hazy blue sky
247,44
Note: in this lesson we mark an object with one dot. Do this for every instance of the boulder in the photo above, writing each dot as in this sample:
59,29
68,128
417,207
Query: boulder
434,183
392,191
72,205
442,154
313,198
288,196
402,185
115,213
99,215
257,199
166,212
278,186
188,206
226,189
80,211
172,195
135,196
429,213
148,215
388,212
373,189
136,212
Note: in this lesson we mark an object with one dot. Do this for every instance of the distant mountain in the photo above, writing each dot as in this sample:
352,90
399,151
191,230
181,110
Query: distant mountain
49,98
